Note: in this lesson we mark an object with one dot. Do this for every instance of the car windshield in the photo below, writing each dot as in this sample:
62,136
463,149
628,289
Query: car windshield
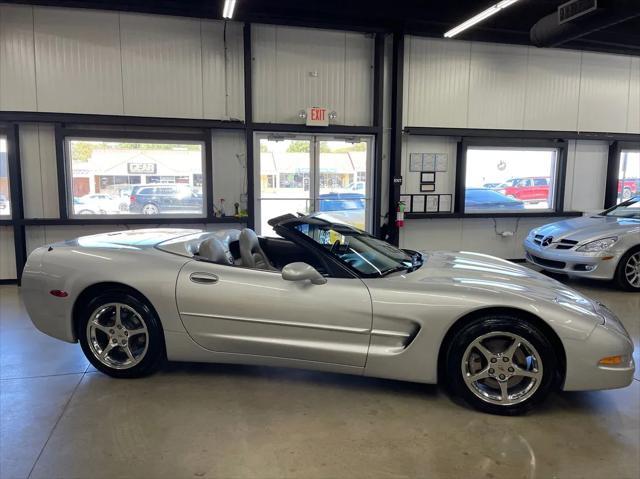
368,255
628,209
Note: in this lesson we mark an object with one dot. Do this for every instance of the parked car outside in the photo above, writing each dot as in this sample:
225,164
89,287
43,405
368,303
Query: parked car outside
532,189
605,246
4,205
347,207
165,198
359,186
102,202
628,187
481,199
88,206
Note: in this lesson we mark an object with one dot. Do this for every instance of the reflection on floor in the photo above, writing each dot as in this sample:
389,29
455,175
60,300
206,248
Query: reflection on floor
60,418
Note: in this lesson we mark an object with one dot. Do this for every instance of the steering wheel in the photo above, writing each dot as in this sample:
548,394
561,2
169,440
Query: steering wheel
335,244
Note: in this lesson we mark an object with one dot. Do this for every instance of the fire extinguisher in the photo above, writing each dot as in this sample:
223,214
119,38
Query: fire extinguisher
400,214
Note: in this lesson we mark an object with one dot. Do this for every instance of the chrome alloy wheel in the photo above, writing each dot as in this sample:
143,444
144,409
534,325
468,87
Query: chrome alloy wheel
117,336
502,368
632,270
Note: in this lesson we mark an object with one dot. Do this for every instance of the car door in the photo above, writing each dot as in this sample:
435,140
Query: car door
234,309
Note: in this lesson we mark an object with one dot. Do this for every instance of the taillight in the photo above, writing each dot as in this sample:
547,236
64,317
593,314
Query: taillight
132,199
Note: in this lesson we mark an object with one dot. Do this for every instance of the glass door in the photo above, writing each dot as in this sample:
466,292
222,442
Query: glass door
343,179
305,174
284,183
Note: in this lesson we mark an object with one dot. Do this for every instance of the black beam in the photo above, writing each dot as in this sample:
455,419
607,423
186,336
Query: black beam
561,175
208,177
17,206
461,179
302,129
395,159
118,220
120,134
613,169
533,214
61,171
378,124
521,134
248,119
116,120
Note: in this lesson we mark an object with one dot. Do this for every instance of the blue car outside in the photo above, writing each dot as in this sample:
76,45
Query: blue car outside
485,199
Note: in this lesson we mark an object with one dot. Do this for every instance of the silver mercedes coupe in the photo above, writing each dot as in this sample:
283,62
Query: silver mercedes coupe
605,246
325,296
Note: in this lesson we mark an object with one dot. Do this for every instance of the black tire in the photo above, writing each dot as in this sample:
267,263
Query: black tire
621,279
150,209
155,351
455,350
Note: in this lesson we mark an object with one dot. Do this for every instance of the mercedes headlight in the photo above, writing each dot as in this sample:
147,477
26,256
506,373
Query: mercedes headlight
533,232
598,245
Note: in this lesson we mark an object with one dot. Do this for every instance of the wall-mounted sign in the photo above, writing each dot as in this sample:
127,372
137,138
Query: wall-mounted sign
317,116
141,168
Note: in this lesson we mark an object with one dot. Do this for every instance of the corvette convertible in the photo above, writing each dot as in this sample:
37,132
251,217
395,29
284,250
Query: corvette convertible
325,296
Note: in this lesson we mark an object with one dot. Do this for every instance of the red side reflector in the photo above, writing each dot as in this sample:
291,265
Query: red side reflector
58,293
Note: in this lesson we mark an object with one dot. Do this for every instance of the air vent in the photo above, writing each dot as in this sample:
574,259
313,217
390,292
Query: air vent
574,9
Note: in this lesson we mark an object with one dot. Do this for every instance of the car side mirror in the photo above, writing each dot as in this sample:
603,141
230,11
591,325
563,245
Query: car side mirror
301,272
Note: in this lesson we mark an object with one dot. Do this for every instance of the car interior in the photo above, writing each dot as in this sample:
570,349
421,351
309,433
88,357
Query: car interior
246,249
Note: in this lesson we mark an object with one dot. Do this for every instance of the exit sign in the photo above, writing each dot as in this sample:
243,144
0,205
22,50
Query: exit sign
317,116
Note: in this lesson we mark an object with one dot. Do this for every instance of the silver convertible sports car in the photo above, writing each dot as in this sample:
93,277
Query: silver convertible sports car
329,297
605,246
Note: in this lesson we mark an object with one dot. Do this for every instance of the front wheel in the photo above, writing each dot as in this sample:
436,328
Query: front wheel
501,365
628,271
120,335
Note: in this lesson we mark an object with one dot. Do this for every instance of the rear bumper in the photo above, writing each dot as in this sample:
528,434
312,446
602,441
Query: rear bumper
573,263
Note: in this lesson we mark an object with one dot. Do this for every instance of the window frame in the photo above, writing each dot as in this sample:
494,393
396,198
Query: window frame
65,174
613,168
559,176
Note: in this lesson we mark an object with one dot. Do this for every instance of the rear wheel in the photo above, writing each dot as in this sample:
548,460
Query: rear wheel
120,335
628,271
150,209
501,365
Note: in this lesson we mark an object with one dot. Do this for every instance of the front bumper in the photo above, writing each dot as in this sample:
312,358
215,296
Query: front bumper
607,339
571,262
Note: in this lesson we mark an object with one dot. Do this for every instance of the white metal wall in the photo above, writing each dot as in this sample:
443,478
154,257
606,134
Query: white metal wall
584,191
84,61
295,68
460,84
7,253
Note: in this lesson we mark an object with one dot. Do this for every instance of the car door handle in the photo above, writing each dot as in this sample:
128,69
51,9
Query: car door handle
203,278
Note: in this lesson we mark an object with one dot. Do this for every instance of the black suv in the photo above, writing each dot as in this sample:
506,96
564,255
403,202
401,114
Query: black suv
171,198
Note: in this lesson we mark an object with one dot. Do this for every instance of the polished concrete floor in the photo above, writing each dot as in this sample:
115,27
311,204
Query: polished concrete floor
62,419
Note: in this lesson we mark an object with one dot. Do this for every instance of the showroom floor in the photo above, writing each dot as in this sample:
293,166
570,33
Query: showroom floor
60,418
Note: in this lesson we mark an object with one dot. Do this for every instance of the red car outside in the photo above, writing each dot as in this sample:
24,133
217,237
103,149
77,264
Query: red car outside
628,188
529,188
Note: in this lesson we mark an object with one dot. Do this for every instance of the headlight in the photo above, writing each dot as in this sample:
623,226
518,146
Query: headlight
598,245
533,232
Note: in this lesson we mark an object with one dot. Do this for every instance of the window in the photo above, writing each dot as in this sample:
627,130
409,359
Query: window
5,198
510,179
628,175
135,177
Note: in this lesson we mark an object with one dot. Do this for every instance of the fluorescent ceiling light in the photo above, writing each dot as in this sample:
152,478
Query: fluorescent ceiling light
478,18
227,10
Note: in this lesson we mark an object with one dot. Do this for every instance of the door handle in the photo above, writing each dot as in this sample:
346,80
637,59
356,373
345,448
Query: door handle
203,278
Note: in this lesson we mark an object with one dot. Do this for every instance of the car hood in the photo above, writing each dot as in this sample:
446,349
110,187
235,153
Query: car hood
488,274
587,228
